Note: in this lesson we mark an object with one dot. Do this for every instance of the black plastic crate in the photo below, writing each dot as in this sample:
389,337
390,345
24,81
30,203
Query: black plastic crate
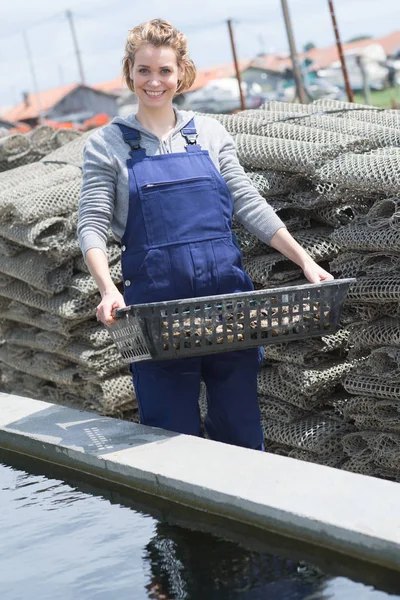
196,326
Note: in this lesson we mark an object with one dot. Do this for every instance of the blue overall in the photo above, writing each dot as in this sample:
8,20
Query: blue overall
178,244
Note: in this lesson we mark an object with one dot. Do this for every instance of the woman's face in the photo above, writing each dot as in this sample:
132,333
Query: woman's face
155,75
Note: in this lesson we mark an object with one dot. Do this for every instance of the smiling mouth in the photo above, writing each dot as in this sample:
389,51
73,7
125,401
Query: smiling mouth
154,94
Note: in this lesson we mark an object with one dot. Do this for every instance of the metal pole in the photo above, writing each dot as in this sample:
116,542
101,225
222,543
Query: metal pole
350,93
33,75
235,60
76,47
293,52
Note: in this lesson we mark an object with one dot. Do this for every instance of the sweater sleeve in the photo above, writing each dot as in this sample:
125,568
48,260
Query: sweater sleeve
250,208
97,199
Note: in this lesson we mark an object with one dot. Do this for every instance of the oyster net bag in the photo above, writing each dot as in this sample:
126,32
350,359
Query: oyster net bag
59,195
61,305
22,384
382,221
379,116
278,410
319,435
308,352
273,183
83,286
374,413
382,332
362,384
40,364
70,153
385,446
111,396
282,155
331,460
316,380
369,289
376,171
98,362
20,313
275,268
8,248
270,383
38,271
45,235
25,174
13,145
339,215
353,264
288,131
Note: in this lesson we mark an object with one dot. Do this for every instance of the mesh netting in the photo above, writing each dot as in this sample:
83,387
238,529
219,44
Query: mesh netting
8,248
385,288
20,313
270,383
382,220
362,384
56,195
71,153
276,268
38,271
278,410
374,413
44,235
331,460
353,264
312,381
40,364
83,286
99,362
61,305
111,396
25,175
338,215
382,332
271,269
315,434
385,445
313,351
370,172
285,131
272,183
13,145
282,155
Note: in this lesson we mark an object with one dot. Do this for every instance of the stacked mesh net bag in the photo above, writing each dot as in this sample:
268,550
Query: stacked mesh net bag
52,347
19,149
371,252
336,164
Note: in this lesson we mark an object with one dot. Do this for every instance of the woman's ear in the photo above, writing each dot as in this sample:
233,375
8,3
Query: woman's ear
131,70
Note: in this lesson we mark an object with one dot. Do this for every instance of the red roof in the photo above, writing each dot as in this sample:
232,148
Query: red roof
116,85
323,57
30,109
226,70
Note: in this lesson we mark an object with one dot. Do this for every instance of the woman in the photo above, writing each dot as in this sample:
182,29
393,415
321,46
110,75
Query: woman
168,184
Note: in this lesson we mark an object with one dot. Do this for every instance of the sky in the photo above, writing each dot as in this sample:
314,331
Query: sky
102,26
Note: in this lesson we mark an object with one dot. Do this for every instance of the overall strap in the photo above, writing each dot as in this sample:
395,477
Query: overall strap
132,137
190,134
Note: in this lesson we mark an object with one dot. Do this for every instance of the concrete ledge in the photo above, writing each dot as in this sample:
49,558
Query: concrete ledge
344,512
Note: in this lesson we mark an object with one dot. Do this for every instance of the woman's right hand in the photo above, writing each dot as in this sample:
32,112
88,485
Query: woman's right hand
110,301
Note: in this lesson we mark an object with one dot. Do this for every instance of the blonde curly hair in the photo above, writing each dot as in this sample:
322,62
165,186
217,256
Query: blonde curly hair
158,32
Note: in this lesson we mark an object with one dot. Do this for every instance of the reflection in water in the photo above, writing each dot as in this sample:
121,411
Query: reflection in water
197,566
59,543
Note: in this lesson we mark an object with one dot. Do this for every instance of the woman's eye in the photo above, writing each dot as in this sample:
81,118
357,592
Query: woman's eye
143,70
165,71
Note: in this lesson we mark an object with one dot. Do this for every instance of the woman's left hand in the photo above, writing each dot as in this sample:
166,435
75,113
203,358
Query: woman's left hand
314,273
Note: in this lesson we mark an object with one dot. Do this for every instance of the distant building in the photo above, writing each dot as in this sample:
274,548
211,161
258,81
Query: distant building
72,102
